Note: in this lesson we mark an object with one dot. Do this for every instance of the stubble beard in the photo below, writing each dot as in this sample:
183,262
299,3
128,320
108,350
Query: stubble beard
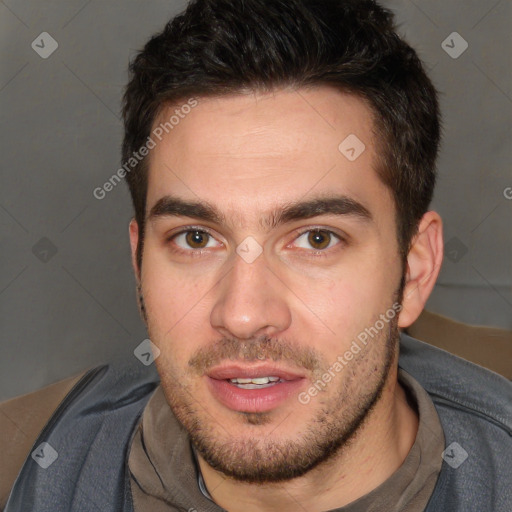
260,459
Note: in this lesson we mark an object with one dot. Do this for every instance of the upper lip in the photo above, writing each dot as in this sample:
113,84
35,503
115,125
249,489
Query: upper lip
232,371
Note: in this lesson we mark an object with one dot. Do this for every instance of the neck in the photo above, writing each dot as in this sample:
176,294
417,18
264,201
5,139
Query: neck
375,452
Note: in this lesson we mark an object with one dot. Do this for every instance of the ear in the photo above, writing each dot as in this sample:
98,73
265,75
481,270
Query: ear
423,266
134,242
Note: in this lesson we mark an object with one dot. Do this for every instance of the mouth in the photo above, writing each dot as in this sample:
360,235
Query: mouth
257,388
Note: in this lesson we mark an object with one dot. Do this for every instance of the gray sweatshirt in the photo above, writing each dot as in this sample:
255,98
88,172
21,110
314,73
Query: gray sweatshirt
92,430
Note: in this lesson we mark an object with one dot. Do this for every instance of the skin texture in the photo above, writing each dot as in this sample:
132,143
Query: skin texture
300,303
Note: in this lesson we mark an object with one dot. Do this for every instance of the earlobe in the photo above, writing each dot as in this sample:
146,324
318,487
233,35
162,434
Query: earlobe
134,242
423,266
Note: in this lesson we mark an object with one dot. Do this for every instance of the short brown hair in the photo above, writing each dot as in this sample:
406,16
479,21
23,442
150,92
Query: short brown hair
222,47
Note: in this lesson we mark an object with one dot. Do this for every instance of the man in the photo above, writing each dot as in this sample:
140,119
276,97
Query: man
283,164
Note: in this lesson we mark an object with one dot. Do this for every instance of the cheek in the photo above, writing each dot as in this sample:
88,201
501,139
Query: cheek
169,286
176,303
346,302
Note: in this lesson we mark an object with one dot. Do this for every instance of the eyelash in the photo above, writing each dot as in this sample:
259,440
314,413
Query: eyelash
198,252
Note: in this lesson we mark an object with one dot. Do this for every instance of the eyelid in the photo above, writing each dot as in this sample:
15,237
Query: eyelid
301,231
185,229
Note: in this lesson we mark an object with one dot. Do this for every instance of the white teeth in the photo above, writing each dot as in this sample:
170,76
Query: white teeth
254,380
242,381
260,380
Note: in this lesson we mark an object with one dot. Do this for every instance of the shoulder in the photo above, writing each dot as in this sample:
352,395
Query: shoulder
459,383
21,420
486,346
97,395
105,399
475,410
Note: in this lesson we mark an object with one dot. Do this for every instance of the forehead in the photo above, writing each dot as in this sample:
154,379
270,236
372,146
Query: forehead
246,153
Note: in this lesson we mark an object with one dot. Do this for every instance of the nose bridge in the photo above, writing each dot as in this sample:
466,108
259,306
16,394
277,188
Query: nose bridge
249,303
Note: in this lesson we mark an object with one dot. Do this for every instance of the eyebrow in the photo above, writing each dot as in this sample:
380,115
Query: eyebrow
204,211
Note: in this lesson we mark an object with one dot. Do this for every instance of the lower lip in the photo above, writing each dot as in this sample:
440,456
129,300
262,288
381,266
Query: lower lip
253,400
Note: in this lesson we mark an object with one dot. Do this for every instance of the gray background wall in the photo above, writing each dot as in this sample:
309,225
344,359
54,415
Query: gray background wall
66,289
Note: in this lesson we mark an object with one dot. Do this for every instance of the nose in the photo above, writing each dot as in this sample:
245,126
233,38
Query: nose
251,301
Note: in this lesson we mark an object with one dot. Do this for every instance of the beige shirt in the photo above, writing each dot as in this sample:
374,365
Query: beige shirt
165,476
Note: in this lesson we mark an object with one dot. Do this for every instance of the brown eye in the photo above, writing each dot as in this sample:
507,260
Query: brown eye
197,239
319,239
193,241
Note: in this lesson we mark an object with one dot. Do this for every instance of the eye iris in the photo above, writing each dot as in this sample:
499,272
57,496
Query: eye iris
197,239
319,238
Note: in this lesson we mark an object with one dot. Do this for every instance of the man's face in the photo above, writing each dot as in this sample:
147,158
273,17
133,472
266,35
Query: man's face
249,293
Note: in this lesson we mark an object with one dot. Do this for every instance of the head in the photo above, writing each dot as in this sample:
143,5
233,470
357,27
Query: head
280,215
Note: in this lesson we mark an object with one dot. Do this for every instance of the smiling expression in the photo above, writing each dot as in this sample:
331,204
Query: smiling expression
266,252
